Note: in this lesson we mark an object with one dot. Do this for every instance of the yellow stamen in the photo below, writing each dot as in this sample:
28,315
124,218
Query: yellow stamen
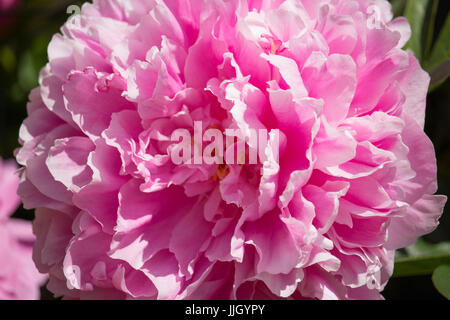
221,173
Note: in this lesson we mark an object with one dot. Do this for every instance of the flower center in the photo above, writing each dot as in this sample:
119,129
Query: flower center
221,173
271,44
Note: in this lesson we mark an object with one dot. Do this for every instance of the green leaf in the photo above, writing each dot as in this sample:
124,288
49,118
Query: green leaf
398,6
7,58
423,249
417,266
439,74
27,72
441,49
422,259
441,280
438,64
416,13
430,29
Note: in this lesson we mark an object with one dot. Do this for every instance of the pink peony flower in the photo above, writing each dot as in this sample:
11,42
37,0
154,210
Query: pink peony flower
19,278
116,218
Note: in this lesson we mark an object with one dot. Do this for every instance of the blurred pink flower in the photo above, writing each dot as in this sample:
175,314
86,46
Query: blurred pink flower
19,278
7,15
6,5
116,218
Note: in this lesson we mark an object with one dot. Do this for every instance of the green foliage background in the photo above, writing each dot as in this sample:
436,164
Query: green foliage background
421,271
